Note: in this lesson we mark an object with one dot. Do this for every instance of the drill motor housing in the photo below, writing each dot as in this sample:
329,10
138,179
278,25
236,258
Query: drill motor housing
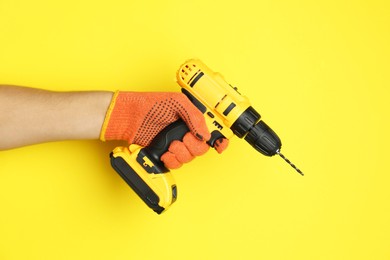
226,111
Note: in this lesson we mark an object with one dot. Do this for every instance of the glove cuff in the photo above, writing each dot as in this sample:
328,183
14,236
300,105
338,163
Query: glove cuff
118,117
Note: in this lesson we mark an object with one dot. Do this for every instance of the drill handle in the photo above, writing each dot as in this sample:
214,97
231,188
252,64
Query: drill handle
160,144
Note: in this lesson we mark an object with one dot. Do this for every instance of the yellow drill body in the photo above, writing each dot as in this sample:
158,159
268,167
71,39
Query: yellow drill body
227,113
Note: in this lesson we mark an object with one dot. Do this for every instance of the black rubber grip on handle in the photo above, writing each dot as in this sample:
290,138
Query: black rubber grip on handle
161,142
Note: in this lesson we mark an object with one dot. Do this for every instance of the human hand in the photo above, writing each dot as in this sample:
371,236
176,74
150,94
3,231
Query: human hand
138,117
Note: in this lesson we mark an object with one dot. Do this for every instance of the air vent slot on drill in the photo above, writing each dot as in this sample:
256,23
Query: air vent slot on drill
186,70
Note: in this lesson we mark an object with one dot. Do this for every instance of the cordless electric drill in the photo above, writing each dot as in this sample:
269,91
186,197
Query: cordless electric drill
227,113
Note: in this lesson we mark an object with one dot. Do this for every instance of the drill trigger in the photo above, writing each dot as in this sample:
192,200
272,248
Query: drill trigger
215,135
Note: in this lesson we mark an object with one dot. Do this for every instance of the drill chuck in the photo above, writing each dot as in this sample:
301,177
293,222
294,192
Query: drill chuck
257,133
263,139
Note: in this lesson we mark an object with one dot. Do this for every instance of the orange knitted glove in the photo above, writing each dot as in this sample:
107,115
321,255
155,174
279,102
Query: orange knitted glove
138,117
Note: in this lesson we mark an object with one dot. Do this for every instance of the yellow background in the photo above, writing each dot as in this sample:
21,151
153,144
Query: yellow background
317,71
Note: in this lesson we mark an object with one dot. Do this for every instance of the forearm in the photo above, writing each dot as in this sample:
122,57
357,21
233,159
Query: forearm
30,116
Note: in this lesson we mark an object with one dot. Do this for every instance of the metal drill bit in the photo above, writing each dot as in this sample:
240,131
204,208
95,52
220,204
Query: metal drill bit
289,162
